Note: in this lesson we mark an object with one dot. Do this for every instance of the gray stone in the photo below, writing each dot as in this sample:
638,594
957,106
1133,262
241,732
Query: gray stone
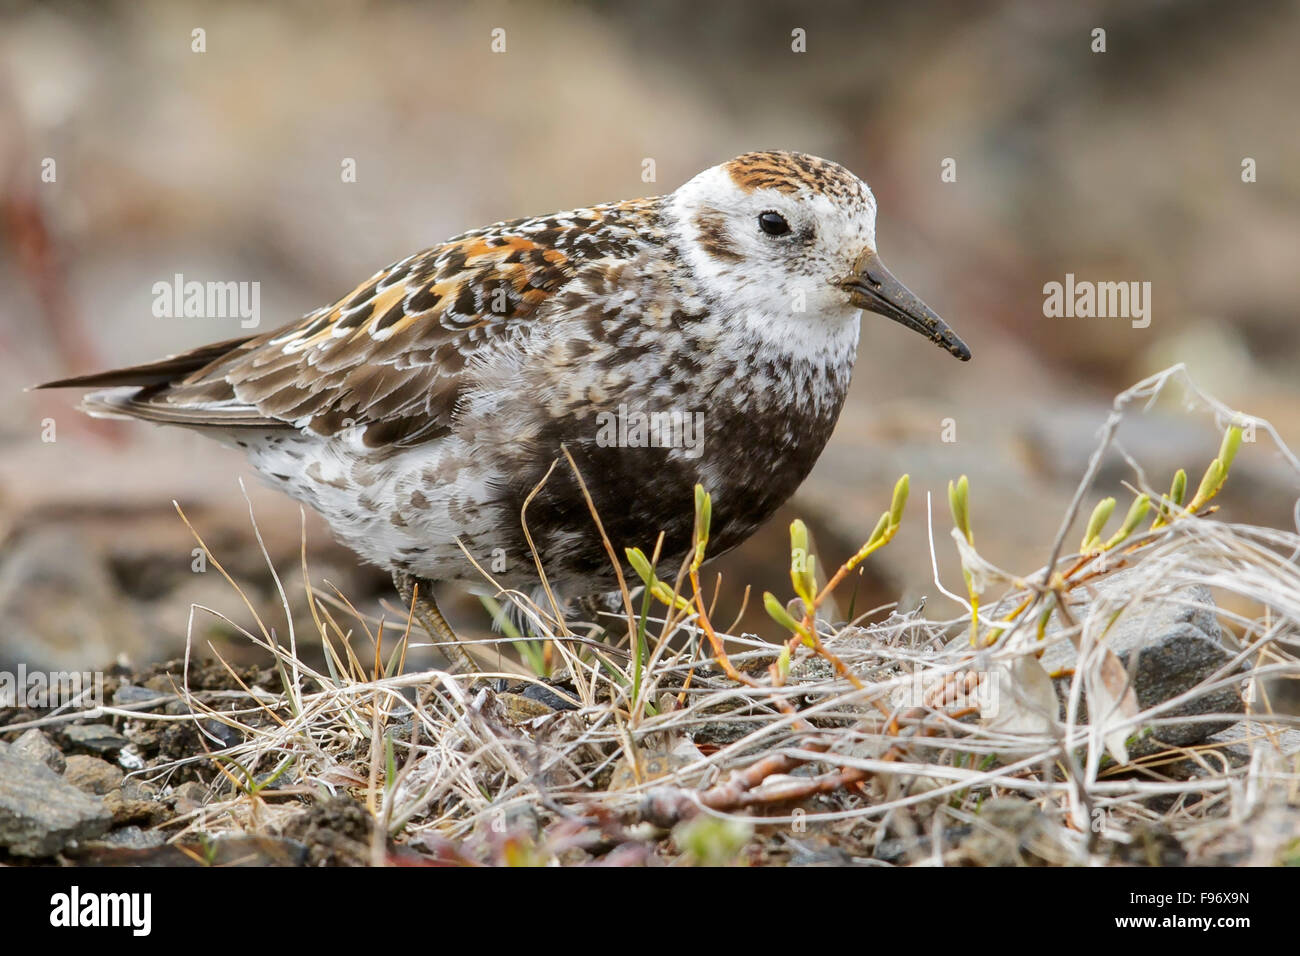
126,809
97,738
135,694
92,774
40,813
130,838
1237,743
133,788
35,745
1012,832
1178,643
188,796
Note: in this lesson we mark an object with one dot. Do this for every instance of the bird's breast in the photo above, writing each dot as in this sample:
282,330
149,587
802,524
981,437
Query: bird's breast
647,413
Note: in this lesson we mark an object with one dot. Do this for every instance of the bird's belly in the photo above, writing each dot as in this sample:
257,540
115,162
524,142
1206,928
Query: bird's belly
401,511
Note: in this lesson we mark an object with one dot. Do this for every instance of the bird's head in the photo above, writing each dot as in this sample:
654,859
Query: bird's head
779,233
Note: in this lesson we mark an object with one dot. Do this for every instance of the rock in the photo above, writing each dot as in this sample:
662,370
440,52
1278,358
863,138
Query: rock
546,696
130,759
35,745
97,738
856,646
135,694
188,796
1148,844
229,736
133,788
519,708
128,838
1012,832
335,831
1267,837
256,851
92,774
817,851
145,737
654,763
1237,744
276,779
223,851
128,809
901,851
1178,643
40,813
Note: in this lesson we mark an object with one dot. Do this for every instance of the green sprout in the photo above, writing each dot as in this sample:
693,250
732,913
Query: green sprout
703,517
1137,513
776,610
803,574
959,505
1092,535
1216,474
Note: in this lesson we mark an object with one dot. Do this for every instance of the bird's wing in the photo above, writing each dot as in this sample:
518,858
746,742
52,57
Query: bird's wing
390,355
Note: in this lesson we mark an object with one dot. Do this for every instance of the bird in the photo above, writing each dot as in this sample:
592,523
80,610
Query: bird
481,398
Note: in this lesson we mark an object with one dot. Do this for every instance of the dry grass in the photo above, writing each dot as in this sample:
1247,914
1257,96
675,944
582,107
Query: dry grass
883,736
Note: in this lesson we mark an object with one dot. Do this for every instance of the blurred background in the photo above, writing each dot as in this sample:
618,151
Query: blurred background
225,165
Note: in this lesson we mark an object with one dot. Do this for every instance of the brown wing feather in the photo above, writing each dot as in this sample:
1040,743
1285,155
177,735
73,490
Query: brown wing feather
152,373
391,354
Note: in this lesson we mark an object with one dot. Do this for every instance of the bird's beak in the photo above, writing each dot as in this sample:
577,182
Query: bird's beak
874,288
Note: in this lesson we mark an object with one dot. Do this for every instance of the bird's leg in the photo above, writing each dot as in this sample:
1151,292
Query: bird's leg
417,596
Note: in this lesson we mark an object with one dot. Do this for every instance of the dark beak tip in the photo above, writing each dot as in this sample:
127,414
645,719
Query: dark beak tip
875,289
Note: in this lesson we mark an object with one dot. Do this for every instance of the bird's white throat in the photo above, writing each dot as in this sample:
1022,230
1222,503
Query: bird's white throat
818,339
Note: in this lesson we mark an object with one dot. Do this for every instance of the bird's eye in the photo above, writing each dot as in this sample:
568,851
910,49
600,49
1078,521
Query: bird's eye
773,223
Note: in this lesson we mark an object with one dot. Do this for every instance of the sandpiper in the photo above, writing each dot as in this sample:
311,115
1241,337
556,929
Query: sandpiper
705,336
